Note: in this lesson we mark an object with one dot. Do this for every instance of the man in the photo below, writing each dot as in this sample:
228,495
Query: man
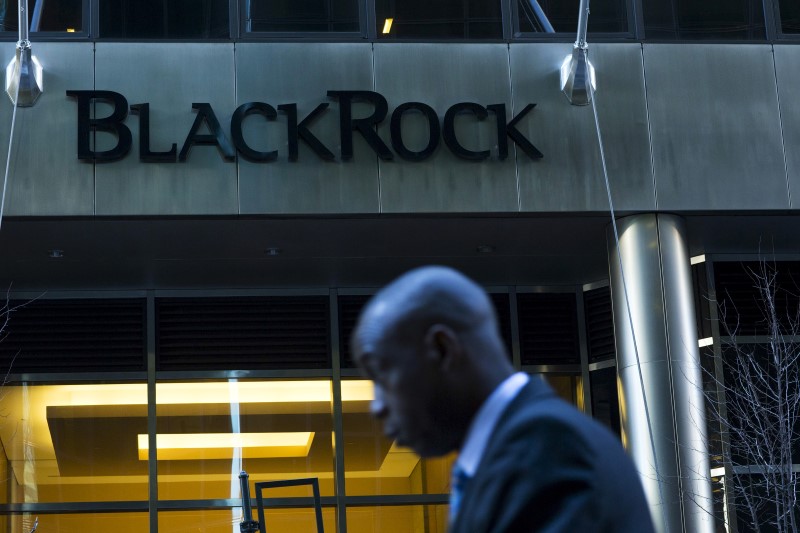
528,461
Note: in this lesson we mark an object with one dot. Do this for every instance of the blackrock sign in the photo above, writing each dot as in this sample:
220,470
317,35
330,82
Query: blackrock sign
297,129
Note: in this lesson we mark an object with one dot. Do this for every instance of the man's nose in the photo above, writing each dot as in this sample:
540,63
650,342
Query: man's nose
377,406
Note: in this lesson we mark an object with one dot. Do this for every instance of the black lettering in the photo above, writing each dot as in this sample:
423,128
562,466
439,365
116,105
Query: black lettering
434,131
449,130
260,108
297,131
206,115
143,110
347,124
511,130
111,124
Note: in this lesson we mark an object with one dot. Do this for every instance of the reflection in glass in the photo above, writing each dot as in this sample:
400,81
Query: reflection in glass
374,464
790,16
276,520
710,19
444,19
164,19
568,388
397,519
208,432
608,16
605,398
302,16
77,522
69,443
44,15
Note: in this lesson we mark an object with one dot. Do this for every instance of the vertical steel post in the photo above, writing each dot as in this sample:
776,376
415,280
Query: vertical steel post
661,403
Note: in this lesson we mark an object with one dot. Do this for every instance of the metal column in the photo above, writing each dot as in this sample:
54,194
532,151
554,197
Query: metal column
661,395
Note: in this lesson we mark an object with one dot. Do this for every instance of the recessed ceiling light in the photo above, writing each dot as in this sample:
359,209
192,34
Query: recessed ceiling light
55,254
197,446
387,25
273,251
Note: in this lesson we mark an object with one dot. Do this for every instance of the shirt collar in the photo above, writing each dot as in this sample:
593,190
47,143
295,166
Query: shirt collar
485,420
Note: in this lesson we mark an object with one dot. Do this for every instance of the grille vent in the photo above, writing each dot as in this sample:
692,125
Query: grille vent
739,297
599,325
350,307
249,333
548,328
702,304
502,307
87,335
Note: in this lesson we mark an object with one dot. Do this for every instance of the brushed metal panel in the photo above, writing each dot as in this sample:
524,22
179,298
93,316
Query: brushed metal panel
441,75
170,78
303,73
570,176
787,66
715,127
45,176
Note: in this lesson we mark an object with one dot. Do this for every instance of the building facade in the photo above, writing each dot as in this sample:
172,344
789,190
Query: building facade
206,193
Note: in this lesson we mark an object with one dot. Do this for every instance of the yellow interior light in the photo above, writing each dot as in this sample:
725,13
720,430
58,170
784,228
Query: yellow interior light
361,390
196,446
205,393
387,25
215,393
70,30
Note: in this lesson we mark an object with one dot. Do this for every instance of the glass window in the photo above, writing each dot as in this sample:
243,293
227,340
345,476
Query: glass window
561,16
711,19
374,464
226,521
568,387
43,16
548,328
164,19
208,432
72,443
77,522
790,16
302,16
445,19
605,398
397,519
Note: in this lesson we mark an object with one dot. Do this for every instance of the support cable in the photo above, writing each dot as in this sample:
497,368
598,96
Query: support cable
17,73
628,307
578,84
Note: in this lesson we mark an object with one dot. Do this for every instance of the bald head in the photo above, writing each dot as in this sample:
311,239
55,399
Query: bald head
429,340
427,296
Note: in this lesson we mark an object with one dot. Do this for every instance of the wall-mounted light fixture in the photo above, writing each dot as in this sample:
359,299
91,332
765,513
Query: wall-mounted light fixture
577,72
24,72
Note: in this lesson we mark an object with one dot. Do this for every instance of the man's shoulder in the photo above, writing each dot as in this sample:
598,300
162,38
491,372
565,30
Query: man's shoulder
537,407
541,431
545,454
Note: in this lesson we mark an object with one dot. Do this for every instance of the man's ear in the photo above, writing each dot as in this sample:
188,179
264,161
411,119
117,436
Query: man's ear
442,343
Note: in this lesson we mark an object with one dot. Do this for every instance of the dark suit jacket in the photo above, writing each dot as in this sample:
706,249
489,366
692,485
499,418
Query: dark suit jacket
548,468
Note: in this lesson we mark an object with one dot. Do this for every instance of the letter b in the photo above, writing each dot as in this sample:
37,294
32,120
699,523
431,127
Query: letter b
111,124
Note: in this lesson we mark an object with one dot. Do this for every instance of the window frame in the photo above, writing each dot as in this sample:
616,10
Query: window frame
368,31
45,36
632,11
247,35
